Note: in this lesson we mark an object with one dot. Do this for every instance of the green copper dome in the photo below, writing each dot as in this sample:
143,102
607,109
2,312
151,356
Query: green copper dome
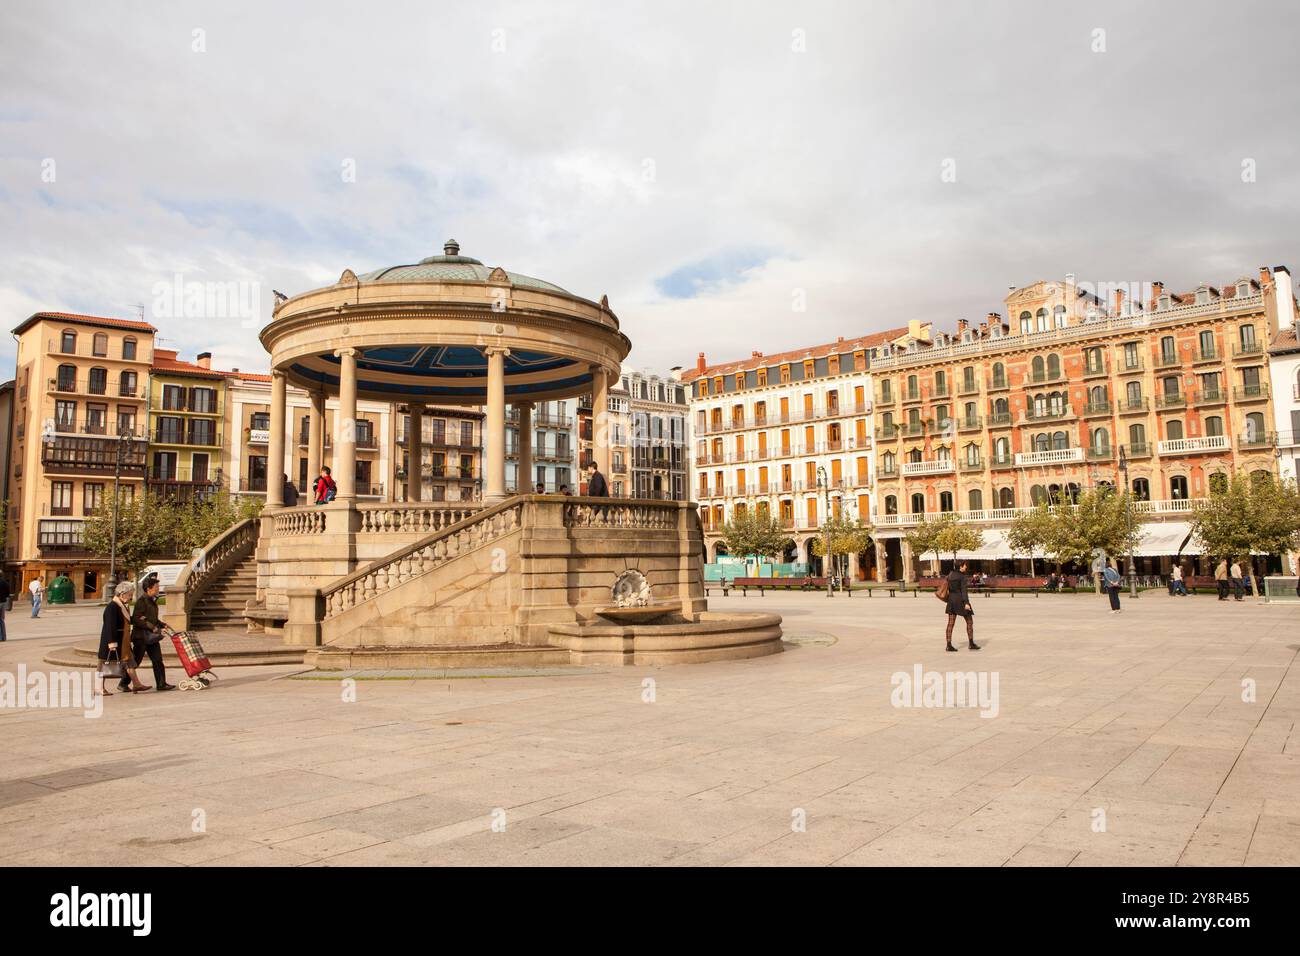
453,267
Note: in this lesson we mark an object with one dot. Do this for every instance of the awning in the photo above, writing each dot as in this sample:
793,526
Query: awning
994,546
1163,538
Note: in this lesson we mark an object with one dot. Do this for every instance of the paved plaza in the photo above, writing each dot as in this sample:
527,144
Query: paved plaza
1117,740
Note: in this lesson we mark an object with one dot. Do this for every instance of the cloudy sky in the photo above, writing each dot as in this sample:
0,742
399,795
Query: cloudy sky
708,165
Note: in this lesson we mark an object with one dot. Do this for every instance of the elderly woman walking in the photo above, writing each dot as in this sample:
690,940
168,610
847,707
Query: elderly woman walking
958,605
115,636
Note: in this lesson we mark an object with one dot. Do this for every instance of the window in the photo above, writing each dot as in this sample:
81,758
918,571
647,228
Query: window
97,384
913,388
975,499
1002,452
1133,393
92,498
1058,317
1100,440
999,375
887,390
1038,368
1026,323
68,342
1053,366
67,378
968,379
1137,437
918,503
1006,498
1141,489
972,454
60,497
96,419
1043,325
203,400
1132,358
126,384
889,463
1247,334
173,398
1178,487
1173,430
1093,360
1207,344
945,501
1213,426
1060,440
1038,496
891,505
260,421
128,349
1254,427
99,345
1168,350
65,416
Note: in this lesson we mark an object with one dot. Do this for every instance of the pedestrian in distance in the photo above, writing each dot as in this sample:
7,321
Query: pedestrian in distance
1221,578
37,588
290,493
1110,580
1238,585
541,488
5,595
596,485
324,489
956,598
1177,584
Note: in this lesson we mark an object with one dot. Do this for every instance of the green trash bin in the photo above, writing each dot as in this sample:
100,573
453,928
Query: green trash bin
60,591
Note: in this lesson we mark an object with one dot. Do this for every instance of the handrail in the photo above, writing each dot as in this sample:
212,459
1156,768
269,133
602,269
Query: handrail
215,557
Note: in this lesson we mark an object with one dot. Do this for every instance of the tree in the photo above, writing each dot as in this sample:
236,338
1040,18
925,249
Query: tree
847,536
1033,532
202,519
1250,513
944,535
1099,522
754,532
146,528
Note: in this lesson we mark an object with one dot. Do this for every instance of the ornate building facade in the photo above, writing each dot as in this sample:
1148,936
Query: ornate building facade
998,417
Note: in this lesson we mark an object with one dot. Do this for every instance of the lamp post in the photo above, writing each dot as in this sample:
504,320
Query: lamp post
1128,508
125,445
824,486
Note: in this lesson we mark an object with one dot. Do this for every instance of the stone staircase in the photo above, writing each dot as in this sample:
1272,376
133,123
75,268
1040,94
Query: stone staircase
222,603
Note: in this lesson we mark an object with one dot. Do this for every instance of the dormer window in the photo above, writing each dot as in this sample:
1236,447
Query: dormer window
1165,302
1243,289
1203,296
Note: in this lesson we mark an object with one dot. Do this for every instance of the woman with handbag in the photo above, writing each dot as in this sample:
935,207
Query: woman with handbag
146,632
115,640
957,604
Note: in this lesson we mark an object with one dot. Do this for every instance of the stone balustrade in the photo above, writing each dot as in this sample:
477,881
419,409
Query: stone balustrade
616,513
476,528
413,518
290,522
214,559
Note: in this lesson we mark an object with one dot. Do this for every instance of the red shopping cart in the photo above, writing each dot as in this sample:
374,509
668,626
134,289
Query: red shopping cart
198,669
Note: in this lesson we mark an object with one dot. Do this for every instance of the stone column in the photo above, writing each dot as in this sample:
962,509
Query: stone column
275,443
853,566
600,423
524,459
415,453
345,428
882,561
315,437
909,572
494,436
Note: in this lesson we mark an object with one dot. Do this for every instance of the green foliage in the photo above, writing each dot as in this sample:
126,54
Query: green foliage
1255,513
1099,521
146,527
754,532
199,521
1033,532
944,535
847,536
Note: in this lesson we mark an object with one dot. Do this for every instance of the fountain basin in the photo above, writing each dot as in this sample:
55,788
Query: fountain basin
706,636
639,614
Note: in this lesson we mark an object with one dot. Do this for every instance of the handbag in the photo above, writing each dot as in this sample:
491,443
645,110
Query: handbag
941,592
112,668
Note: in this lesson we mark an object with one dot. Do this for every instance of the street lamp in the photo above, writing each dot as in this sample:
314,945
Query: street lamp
125,446
825,488
1128,508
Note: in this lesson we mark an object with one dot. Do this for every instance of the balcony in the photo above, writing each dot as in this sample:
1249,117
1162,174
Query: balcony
976,465
1131,405
887,433
1130,365
1097,408
940,391
1210,396
202,439
1171,401
1193,446
87,386
942,466
1054,456
1138,450
912,395
998,384
887,398
1100,453
1000,420
96,456
969,388
1045,378
1251,393
1247,350
1096,371
971,424
1002,461
912,429
1168,360
887,471
1256,442
1048,414
1204,356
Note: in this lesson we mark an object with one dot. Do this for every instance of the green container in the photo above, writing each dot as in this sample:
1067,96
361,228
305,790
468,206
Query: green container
60,591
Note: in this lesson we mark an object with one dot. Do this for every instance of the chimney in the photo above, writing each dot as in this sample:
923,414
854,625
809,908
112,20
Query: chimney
755,354
203,360
1264,277
451,248
700,364
1285,298
1119,301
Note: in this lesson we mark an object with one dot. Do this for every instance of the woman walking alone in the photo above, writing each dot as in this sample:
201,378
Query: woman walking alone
958,605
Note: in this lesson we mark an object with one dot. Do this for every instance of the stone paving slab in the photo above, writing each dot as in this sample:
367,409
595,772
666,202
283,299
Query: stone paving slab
1118,740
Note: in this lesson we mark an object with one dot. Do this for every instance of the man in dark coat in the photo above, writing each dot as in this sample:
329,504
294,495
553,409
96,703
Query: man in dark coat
596,486
5,594
146,632
958,605
290,493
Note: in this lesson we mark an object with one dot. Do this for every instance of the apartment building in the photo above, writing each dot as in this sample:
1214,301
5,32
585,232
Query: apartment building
998,417
656,417
1284,376
553,449
187,434
450,454
248,422
790,435
80,410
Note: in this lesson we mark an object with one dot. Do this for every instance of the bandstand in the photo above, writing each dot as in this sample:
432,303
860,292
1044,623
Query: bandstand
509,579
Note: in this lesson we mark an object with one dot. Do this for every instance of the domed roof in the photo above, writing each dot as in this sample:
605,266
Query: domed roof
453,267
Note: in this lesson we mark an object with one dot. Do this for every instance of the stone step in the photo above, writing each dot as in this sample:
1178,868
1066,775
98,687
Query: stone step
223,649
417,657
